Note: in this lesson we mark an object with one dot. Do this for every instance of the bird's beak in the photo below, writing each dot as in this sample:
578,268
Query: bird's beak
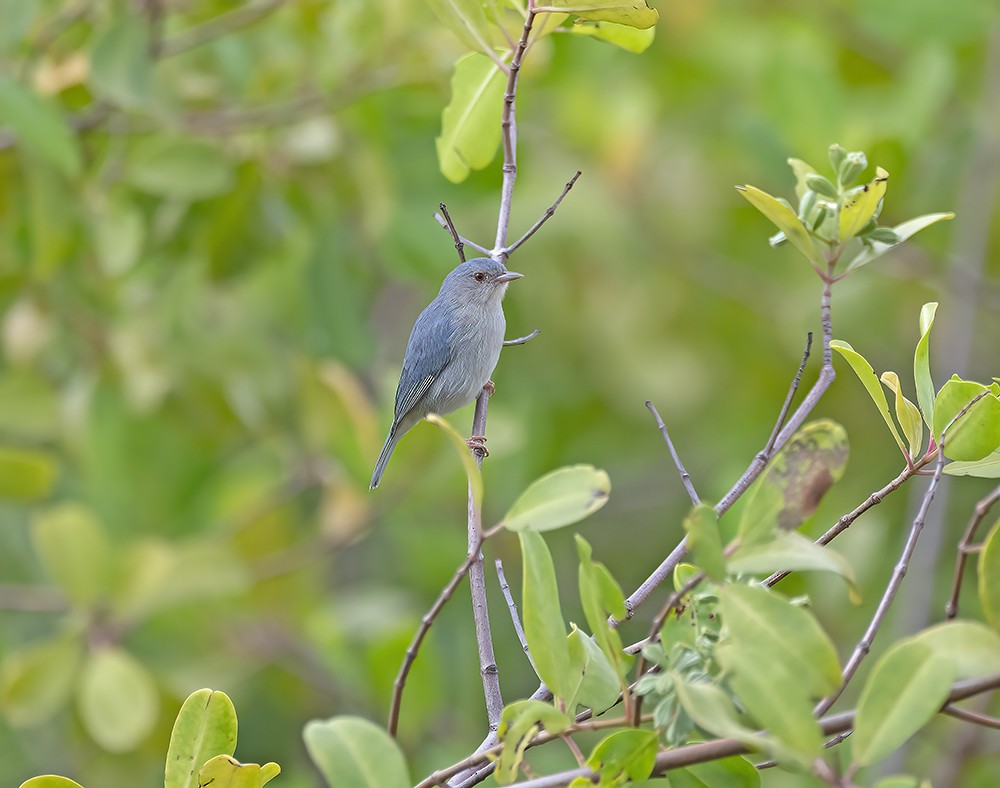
510,276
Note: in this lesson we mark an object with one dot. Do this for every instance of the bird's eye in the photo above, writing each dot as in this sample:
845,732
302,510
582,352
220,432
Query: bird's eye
479,276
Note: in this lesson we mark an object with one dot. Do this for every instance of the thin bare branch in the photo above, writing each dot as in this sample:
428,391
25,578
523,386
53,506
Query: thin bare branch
965,548
545,216
769,447
450,226
685,476
514,617
522,340
975,717
462,239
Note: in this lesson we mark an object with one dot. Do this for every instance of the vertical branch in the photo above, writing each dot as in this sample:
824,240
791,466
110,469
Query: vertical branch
965,548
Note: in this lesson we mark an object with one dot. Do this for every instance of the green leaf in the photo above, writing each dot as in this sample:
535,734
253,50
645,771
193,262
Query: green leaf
922,365
121,66
601,597
224,771
180,169
628,38
50,781
791,552
39,126
989,576
859,209
971,647
352,752
472,472
118,238
977,433
470,124
74,549
36,680
26,475
802,171
628,755
867,377
784,218
117,700
903,231
986,468
600,685
467,20
714,712
902,781
906,688
702,527
734,772
633,13
559,498
766,621
519,723
906,414
205,727
544,626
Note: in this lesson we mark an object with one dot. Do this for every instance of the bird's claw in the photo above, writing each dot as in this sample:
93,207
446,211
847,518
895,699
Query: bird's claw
477,443
490,387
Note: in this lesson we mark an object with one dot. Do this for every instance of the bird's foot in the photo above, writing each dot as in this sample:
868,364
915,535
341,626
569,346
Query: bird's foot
478,444
490,387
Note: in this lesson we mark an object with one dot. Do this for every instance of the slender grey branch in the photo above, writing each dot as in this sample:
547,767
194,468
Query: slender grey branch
965,548
975,717
461,239
685,476
450,226
545,216
522,340
898,573
769,447
514,617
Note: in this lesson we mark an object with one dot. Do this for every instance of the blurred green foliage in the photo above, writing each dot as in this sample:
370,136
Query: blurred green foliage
215,233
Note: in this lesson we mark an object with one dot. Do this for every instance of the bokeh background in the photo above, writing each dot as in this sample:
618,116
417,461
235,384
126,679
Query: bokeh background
215,233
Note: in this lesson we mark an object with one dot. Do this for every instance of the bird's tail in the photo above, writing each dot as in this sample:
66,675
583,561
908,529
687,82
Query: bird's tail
383,458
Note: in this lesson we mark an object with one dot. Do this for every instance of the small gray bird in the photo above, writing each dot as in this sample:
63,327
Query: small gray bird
454,347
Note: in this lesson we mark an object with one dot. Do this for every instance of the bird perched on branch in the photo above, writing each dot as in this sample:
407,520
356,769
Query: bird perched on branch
454,347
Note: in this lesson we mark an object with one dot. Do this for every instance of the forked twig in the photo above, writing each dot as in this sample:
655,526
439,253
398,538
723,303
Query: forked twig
965,548
685,476
545,216
450,227
514,617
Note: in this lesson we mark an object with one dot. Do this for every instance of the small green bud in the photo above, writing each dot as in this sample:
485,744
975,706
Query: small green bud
806,204
837,155
777,239
822,214
821,185
851,167
884,235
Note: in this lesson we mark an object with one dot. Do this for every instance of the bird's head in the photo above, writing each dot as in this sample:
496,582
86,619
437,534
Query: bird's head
481,280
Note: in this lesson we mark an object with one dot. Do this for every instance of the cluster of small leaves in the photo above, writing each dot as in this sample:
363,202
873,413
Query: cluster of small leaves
836,221
968,411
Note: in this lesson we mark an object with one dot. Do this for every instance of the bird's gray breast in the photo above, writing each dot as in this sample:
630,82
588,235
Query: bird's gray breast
476,340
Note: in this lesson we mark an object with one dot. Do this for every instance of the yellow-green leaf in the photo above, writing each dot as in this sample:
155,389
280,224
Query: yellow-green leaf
117,699
630,39
922,363
562,497
26,475
867,377
903,231
989,576
976,433
633,13
702,527
224,771
906,414
205,727
472,472
74,549
858,209
355,752
785,219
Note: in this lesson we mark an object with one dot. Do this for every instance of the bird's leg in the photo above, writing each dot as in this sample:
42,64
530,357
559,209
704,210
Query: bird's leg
478,444
490,387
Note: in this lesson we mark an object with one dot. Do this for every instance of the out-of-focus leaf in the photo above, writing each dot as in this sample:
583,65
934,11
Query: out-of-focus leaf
634,13
907,414
858,210
903,231
922,363
121,68
702,527
601,596
559,498
352,752
544,625
28,407
74,549
36,680
867,377
224,771
989,576
628,38
976,434
180,169
986,468
472,473
518,724
784,218
628,755
971,647
600,685
791,552
906,687
117,699
205,727
50,781
118,238
470,124
467,20
802,170
26,475
40,128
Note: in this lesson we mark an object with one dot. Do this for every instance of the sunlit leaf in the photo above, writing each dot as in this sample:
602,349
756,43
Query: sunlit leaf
906,688
224,771
784,218
352,752
906,414
976,433
628,38
205,727
858,209
50,781
989,576
922,364
39,127
971,647
470,124
117,699
472,472
903,231
867,377
628,754
634,13
559,498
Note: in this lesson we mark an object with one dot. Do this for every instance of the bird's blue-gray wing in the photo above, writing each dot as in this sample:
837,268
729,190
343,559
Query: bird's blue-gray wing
427,354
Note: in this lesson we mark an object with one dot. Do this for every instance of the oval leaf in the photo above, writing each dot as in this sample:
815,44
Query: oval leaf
352,752
976,433
224,771
117,700
628,754
791,552
470,124
35,681
986,468
205,727
563,497
74,550
922,363
121,67
972,648
50,781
